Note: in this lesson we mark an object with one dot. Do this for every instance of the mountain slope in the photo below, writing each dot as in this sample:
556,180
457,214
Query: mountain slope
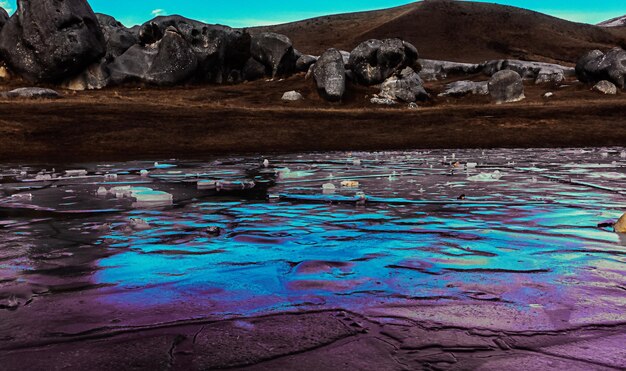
615,22
460,31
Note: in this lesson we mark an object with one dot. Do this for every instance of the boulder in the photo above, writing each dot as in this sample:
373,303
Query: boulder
33,93
253,70
275,52
605,87
405,86
95,76
305,62
167,62
118,38
218,49
506,87
373,61
330,75
292,96
51,40
596,66
462,88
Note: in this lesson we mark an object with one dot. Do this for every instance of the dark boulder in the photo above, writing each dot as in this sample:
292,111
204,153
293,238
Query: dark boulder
275,52
596,66
330,75
373,61
304,62
51,40
506,86
219,49
118,38
167,62
253,70
405,86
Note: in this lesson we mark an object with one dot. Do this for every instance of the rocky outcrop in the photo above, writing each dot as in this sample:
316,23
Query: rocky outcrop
373,61
275,52
605,87
506,87
405,86
537,71
167,62
219,49
118,38
463,88
596,66
330,75
51,40
33,93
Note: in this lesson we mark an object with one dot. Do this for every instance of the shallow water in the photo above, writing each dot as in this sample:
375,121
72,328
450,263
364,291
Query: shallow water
525,234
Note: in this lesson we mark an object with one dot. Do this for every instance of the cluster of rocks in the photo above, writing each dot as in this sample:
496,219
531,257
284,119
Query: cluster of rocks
66,43
537,71
606,71
390,63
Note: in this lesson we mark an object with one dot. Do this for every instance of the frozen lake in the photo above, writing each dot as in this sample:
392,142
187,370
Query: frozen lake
137,243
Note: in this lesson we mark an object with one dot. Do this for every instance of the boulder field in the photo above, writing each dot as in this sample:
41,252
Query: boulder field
65,43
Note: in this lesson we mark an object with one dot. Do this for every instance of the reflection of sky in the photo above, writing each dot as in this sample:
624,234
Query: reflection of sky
401,251
246,13
530,238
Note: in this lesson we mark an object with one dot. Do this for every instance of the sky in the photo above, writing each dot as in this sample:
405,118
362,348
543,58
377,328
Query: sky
247,13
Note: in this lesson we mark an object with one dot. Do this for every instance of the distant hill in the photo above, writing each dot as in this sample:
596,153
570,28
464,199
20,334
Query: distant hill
615,22
459,31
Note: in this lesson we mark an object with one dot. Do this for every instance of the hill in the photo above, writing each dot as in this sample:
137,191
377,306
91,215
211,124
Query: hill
458,31
615,22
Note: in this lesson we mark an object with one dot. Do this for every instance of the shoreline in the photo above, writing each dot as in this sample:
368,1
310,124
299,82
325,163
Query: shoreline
133,124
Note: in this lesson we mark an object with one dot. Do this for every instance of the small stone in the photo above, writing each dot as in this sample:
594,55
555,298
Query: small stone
33,93
383,101
605,87
213,231
292,96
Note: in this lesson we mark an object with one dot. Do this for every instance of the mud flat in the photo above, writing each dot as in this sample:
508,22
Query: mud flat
187,122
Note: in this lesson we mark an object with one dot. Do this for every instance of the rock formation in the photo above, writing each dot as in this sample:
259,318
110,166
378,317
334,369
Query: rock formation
330,75
49,40
506,86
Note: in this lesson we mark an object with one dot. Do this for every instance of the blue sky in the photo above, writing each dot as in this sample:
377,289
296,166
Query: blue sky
244,13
